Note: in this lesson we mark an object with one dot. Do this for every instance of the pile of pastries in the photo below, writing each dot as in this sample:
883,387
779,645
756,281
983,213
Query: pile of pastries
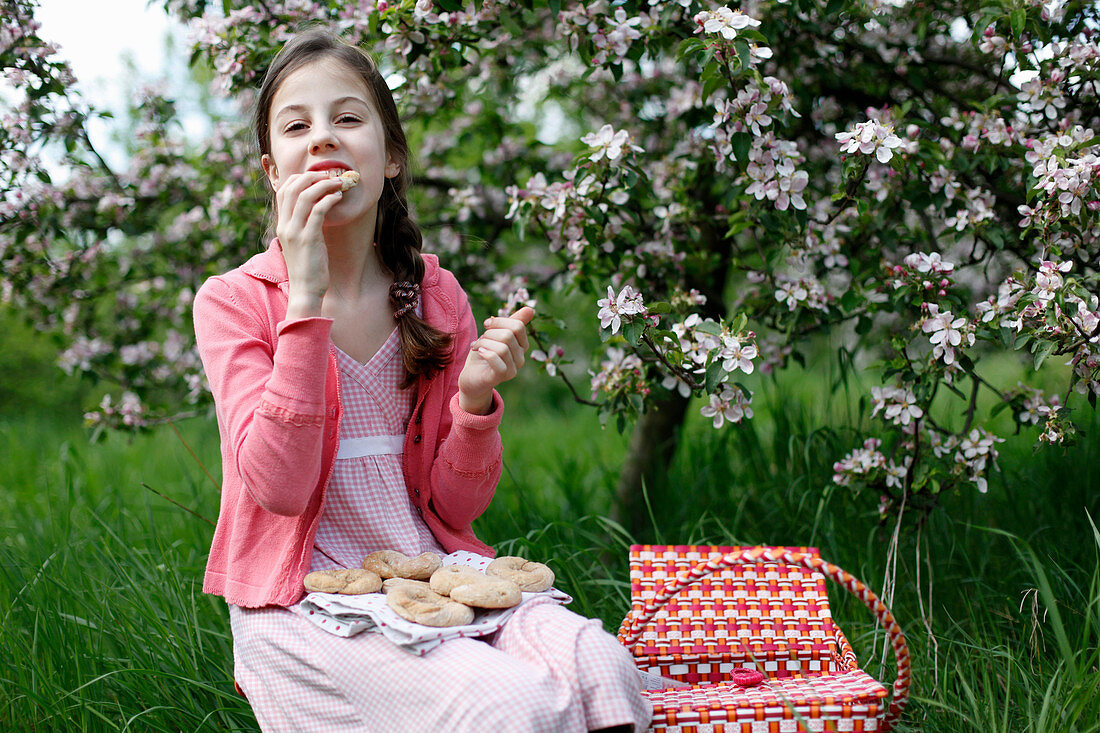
423,590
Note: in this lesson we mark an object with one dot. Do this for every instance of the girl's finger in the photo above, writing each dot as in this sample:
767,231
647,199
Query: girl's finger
508,340
297,197
514,326
320,210
524,314
497,356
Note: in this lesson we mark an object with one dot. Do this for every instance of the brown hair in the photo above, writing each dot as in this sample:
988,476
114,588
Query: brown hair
424,348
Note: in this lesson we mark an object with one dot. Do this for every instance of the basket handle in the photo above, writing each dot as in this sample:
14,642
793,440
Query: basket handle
635,624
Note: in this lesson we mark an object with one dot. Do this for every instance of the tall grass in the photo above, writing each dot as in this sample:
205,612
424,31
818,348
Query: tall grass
103,625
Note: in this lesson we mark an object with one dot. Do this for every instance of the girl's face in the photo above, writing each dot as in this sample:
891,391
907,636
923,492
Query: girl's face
323,116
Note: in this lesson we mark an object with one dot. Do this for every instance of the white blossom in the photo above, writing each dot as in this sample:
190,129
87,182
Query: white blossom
868,138
609,143
724,22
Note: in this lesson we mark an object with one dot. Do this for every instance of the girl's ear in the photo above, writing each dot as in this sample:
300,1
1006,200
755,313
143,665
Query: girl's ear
392,168
270,170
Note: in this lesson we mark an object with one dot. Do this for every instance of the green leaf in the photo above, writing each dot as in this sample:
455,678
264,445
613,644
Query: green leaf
741,142
633,330
689,47
710,327
714,376
849,301
1018,18
738,223
1041,354
711,84
743,53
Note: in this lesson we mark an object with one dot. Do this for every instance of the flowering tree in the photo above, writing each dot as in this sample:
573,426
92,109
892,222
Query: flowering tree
721,184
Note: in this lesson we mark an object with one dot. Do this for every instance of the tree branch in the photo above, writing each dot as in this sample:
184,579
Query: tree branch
564,377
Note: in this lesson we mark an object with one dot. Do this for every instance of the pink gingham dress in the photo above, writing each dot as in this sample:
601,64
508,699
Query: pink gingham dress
548,669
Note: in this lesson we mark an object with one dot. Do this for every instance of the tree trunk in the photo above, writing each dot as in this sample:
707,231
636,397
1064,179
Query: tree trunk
652,448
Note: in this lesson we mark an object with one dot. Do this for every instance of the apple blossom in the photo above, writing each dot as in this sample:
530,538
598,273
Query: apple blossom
609,144
1049,280
868,138
898,405
550,358
729,404
724,22
736,355
613,309
859,462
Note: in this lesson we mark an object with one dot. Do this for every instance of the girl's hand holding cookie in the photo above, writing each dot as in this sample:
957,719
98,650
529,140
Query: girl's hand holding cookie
301,203
494,358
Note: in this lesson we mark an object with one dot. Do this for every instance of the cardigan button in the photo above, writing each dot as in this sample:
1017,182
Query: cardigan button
332,412
416,491
417,438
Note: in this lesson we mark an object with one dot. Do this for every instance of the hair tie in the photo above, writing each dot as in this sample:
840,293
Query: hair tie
404,297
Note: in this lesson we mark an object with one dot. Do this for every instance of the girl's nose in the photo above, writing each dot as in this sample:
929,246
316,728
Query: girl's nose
322,139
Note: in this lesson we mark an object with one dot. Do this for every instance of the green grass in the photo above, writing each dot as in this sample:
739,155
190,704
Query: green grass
103,625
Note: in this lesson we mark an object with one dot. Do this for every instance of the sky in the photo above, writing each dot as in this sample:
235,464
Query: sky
138,31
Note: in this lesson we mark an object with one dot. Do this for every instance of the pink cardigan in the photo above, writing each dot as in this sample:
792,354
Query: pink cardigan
277,398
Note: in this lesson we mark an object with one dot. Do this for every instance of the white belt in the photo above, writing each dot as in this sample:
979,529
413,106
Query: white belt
374,445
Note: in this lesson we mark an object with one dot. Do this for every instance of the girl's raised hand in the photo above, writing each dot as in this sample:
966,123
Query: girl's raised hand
301,204
494,358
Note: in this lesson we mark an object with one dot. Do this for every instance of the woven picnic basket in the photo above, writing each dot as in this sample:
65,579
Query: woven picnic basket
699,614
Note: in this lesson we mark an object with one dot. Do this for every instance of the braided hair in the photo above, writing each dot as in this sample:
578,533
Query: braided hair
425,350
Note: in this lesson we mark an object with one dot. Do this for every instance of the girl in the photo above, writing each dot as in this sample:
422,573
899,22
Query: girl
358,412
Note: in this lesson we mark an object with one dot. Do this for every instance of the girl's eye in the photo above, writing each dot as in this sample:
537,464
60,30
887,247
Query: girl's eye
295,126
347,118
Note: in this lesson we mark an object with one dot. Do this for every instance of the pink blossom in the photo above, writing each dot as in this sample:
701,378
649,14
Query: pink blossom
895,475
870,137
613,309
931,263
736,355
550,358
730,403
946,332
975,451
724,22
1049,279
897,404
860,462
